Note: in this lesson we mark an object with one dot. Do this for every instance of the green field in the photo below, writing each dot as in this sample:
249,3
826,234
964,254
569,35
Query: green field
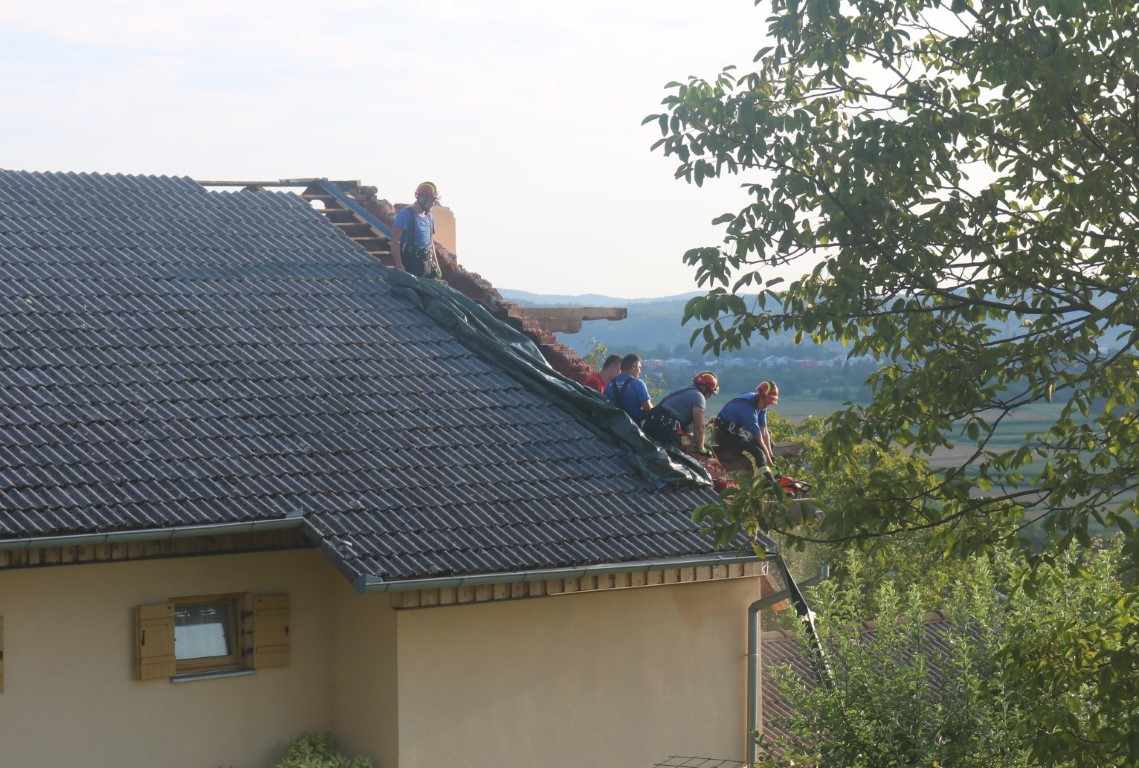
1008,436
797,409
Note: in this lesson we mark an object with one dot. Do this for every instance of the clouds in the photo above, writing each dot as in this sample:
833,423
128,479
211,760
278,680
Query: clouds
527,114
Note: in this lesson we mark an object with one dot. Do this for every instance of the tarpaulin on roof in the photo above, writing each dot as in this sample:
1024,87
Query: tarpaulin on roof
516,354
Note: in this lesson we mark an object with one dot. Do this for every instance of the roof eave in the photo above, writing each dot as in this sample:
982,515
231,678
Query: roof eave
292,520
372,584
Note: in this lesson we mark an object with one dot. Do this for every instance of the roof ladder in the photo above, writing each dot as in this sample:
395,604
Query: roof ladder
351,218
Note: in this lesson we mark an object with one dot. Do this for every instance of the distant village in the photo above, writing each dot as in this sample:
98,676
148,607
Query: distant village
831,378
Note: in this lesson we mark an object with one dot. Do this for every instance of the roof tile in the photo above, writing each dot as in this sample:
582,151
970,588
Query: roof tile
173,356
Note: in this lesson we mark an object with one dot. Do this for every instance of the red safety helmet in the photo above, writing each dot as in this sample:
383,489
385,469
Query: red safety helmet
428,189
767,390
707,379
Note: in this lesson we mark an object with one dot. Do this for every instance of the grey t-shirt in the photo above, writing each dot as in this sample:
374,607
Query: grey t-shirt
681,402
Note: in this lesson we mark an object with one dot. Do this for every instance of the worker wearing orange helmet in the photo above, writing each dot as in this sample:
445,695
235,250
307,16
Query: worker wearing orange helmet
742,424
413,235
683,410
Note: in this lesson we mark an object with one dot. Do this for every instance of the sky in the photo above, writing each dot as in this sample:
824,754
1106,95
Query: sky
526,114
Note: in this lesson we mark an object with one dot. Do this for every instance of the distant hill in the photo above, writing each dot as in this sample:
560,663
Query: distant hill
651,322
527,299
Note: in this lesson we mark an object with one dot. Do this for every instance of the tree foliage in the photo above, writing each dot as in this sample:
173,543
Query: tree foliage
961,181
915,560
969,699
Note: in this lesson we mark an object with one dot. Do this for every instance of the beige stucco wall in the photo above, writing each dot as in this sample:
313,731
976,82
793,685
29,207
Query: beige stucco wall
364,675
70,697
619,679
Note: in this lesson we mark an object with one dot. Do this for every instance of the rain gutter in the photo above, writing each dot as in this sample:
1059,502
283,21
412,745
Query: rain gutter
291,520
371,584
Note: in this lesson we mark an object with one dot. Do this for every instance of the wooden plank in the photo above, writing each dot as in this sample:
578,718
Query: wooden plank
428,597
465,595
483,593
638,579
555,586
448,596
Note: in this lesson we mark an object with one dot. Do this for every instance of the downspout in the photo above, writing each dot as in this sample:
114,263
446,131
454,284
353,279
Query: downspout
805,614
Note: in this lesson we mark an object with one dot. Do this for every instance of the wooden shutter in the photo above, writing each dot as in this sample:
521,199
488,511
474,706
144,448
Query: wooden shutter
154,641
270,631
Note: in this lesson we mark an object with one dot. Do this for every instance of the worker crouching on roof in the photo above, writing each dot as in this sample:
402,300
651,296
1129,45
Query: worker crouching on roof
413,235
683,411
742,424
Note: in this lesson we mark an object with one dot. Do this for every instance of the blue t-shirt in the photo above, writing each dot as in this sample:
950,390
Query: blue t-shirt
634,394
417,230
742,410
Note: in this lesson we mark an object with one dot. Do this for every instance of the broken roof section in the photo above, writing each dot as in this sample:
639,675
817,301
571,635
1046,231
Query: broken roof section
174,357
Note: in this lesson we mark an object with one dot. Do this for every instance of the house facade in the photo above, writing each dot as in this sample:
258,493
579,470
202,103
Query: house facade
254,484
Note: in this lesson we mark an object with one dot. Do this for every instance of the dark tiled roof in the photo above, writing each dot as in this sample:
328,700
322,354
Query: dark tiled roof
172,356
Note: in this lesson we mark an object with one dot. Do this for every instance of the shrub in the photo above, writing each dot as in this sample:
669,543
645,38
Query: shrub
313,750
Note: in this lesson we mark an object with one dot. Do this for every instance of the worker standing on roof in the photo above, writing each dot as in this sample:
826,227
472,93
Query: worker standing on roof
742,425
683,410
609,370
628,392
413,242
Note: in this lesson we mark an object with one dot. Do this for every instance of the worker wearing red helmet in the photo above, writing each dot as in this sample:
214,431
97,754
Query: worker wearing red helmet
683,410
742,423
414,233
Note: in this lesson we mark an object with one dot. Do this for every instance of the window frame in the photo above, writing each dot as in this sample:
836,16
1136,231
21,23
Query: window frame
234,603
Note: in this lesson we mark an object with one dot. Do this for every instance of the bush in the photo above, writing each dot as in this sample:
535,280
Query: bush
313,750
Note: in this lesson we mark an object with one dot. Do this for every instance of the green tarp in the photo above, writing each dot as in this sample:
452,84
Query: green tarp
515,353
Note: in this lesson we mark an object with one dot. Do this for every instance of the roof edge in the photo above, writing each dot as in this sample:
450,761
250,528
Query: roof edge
372,584
292,520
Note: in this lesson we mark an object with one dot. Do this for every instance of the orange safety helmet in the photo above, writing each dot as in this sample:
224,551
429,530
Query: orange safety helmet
707,379
427,188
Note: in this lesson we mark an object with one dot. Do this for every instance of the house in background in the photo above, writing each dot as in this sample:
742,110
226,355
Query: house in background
254,483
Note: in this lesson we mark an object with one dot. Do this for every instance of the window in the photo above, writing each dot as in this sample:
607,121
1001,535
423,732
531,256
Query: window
206,633
211,634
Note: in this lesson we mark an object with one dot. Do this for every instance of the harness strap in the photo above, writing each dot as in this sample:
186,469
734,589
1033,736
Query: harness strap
621,394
